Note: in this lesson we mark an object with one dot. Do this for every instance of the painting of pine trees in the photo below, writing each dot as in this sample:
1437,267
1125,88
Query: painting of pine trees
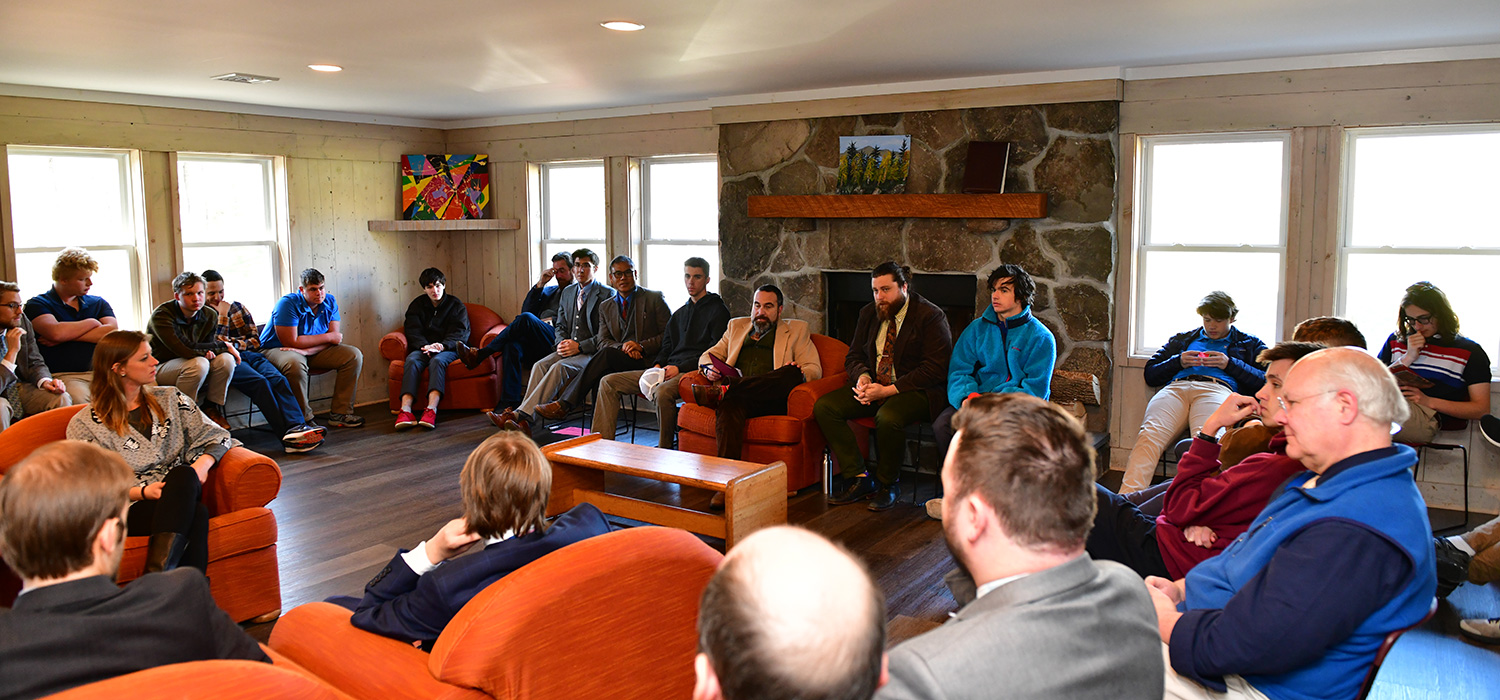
873,164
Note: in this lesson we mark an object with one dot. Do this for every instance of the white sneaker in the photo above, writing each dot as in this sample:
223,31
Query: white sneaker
1481,630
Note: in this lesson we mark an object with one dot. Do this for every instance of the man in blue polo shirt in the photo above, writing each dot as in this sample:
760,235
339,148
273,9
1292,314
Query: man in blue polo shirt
69,321
1298,606
304,334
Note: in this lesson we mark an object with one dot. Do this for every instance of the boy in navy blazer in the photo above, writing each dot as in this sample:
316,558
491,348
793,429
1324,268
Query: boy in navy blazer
505,483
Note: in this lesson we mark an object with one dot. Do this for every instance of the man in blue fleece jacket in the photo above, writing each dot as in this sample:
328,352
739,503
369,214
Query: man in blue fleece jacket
1005,350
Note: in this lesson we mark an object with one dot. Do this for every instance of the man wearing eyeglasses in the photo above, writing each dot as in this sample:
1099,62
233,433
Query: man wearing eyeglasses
1298,605
26,385
577,324
529,336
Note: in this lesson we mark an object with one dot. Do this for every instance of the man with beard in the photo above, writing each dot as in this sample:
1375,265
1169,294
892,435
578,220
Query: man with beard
773,356
898,368
26,386
1045,620
62,528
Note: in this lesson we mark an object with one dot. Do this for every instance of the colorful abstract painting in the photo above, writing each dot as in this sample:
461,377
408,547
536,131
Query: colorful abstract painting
444,187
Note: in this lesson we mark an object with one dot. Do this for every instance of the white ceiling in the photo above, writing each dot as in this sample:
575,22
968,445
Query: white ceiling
472,59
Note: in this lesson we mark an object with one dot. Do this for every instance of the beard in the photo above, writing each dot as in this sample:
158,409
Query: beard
889,311
762,325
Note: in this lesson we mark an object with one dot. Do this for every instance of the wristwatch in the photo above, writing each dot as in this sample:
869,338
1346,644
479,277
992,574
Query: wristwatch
1205,436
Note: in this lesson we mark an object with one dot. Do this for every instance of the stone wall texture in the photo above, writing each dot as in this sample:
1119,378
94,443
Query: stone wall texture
1068,151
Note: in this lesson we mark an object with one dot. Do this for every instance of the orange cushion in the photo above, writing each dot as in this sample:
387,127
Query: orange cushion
782,430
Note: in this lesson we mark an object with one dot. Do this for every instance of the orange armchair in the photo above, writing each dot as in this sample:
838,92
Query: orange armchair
467,388
242,568
613,616
793,438
220,680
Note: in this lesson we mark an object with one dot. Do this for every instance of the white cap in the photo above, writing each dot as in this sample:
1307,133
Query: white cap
649,379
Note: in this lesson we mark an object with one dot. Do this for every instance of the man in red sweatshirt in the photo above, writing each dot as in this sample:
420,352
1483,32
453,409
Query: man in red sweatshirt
1205,509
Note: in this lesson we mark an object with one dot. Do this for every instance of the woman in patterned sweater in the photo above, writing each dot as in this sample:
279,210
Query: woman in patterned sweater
163,436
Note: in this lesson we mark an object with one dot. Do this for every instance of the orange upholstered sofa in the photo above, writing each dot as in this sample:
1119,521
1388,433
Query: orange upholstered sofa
613,616
220,680
242,569
467,388
793,438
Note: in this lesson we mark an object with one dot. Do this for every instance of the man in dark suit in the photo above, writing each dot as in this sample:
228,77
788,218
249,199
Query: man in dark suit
529,336
630,333
1044,620
24,377
71,624
577,325
898,368
505,484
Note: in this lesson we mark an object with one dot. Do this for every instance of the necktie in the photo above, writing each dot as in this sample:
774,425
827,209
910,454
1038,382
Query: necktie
885,367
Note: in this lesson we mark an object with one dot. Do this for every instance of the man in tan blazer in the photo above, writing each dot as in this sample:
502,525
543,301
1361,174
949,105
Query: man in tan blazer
773,356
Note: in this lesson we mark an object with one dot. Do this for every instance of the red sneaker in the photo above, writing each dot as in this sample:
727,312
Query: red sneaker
429,419
405,420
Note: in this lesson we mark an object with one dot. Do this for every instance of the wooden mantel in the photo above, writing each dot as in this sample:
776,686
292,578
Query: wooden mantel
447,225
1020,205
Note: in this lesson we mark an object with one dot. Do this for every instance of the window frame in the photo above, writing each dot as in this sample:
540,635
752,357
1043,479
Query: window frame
544,222
276,194
641,238
1141,219
132,193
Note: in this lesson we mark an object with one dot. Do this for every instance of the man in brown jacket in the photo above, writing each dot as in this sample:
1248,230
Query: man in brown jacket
898,369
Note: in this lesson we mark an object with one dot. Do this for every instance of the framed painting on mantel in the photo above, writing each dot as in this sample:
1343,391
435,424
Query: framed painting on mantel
444,186
873,164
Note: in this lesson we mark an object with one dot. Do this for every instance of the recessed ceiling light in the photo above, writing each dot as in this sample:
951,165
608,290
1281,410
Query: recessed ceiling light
623,26
324,67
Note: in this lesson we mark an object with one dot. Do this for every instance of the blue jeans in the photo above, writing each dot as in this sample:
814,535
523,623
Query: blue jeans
437,379
523,342
267,388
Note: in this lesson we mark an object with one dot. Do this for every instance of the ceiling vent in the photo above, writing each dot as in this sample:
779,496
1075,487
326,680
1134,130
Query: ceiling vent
245,78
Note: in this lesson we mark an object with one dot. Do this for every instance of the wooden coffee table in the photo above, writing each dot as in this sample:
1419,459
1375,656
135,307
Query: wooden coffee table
754,494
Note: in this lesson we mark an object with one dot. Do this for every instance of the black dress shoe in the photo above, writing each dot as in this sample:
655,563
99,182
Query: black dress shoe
858,489
1452,566
885,498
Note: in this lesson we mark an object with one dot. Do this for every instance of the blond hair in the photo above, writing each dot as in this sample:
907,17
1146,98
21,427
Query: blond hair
505,484
73,260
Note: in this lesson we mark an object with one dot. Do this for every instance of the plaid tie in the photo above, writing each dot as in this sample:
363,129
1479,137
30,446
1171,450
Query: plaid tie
886,366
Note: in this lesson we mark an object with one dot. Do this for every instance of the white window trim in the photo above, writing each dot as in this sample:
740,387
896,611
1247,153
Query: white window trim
643,188
275,193
1142,220
543,223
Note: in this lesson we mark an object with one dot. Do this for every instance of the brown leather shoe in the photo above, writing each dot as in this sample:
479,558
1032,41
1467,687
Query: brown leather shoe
497,418
556,410
517,423
469,356
707,395
216,415
717,502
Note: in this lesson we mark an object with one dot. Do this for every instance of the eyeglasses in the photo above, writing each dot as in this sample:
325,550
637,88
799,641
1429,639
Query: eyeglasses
621,274
1423,320
1287,404
14,306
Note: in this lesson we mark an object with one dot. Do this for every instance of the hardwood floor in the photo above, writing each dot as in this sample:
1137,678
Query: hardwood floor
345,509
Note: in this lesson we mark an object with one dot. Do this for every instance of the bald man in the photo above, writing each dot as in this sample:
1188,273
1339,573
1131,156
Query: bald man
1298,606
790,615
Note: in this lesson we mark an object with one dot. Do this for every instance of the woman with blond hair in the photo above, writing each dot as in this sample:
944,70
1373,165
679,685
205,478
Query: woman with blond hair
164,438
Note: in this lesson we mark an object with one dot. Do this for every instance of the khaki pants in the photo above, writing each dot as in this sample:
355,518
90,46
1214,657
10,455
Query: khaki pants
1420,427
1178,406
77,384
607,404
1179,688
345,360
34,400
192,373
1484,539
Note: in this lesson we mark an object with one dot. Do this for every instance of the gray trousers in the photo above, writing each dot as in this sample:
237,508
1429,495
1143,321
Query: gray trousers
34,400
191,374
547,377
607,404
346,360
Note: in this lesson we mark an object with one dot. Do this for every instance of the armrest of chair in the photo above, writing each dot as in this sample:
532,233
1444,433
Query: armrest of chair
685,386
242,479
799,403
318,637
490,334
393,346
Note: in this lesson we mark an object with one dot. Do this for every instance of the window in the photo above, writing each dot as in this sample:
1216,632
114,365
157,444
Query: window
1414,210
230,208
572,204
1211,216
680,220
63,197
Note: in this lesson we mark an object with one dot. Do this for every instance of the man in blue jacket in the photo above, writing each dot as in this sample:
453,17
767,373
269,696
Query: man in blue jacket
1298,606
505,485
1006,350
1197,370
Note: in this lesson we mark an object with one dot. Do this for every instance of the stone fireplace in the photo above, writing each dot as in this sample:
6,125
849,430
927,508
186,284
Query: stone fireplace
1067,151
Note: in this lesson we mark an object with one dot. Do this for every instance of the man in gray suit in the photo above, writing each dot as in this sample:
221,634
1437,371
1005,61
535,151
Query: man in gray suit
630,333
1048,621
790,615
26,386
577,325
